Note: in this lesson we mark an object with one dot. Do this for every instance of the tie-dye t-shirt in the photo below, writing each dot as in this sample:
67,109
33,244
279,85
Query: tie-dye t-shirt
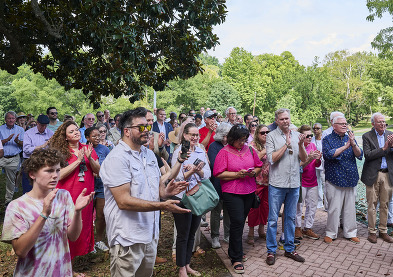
50,255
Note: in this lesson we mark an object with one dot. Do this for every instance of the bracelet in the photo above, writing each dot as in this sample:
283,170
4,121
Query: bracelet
44,217
180,162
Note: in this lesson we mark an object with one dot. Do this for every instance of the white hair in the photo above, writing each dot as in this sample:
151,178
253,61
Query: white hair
280,111
337,118
335,114
227,110
376,115
317,124
222,131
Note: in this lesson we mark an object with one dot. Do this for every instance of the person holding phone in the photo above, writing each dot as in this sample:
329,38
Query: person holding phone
238,186
194,169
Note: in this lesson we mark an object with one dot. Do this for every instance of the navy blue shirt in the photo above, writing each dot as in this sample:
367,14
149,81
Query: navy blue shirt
341,170
214,148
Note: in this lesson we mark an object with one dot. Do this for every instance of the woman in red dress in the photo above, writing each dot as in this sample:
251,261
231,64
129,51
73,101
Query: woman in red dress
78,174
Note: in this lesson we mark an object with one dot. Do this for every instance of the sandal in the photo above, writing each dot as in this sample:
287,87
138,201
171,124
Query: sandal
244,258
250,240
199,252
239,268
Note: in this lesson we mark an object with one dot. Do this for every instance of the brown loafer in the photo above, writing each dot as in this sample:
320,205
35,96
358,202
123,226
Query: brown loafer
372,238
294,256
386,237
354,240
328,240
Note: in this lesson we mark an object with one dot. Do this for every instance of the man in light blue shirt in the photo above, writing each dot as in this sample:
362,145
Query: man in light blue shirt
11,137
89,122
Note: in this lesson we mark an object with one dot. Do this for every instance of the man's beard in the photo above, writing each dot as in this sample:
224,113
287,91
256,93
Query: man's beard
142,140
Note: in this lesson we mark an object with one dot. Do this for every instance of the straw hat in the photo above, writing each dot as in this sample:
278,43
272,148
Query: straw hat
173,135
21,114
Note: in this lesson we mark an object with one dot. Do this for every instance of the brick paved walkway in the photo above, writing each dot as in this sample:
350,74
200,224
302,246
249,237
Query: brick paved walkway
341,258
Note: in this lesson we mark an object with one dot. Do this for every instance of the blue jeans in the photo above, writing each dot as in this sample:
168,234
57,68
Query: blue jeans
278,196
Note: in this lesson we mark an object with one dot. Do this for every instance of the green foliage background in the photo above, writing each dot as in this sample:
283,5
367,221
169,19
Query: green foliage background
357,84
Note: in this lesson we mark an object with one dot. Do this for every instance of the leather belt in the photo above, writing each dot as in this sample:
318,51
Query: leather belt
9,157
384,170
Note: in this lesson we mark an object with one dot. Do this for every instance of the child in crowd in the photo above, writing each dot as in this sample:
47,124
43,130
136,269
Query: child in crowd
39,223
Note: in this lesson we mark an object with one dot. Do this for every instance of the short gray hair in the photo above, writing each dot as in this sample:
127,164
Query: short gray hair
280,111
11,113
317,124
335,114
338,117
227,110
376,115
222,131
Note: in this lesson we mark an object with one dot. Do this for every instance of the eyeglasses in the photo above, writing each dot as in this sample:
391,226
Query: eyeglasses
192,114
142,128
90,119
264,132
342,124
53,113
241,126
101,115
253,125
103,131
309,136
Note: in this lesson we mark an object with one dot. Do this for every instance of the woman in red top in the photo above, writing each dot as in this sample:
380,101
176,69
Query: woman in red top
258,217
78,174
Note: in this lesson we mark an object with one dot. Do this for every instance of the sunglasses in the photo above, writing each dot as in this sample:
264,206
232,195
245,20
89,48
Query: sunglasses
254,125
103,131
101,115
316,128
309,136
142,128
53,113
264,132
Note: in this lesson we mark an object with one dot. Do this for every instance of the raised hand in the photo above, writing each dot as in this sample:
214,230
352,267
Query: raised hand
174,188
83,200
16,138
302,137
81,154
88,150
161,139
10,137
48,200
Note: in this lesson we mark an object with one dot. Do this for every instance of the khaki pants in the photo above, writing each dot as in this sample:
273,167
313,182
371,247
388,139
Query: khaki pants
10,166
135,260
382,192
341,201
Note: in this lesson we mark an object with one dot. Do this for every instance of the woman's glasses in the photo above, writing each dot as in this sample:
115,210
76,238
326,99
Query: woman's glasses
309,136
264,132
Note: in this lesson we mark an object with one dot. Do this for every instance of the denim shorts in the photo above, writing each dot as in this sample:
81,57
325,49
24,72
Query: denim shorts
98,188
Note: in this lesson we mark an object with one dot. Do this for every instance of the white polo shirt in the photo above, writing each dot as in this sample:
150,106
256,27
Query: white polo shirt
124,165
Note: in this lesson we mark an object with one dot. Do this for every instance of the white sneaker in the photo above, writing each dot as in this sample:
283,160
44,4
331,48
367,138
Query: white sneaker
101,245
226,239
216,243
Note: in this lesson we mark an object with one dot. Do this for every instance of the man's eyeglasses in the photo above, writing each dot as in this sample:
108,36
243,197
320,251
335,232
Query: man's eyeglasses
264,132
53,113
142,128
342,124
101,115
309,136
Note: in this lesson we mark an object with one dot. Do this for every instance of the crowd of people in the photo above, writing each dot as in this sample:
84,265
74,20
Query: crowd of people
100,185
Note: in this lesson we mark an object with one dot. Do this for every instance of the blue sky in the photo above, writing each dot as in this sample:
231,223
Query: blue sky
306,28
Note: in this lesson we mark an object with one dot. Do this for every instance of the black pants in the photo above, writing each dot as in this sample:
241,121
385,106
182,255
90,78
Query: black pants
238,206
186,225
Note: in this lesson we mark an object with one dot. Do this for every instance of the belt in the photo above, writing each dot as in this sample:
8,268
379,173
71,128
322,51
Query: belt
384,170
9,157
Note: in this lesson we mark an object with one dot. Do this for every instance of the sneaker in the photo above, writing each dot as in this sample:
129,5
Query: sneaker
308,233
271,258
94,251
216,243
298,233
328,240
294,256
226,239
101,246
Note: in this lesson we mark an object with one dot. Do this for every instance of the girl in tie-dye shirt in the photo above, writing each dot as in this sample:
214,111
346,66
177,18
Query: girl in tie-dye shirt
39,223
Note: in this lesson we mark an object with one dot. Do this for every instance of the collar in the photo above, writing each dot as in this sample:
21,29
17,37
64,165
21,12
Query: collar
378,135
128,148
38,132
337,135
13,127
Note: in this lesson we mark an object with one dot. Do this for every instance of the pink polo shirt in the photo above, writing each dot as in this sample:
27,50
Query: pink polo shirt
231,159
309,176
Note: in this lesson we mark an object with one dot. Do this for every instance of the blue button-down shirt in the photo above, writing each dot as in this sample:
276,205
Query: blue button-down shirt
83,139
34,138
11,148
381,143
341,170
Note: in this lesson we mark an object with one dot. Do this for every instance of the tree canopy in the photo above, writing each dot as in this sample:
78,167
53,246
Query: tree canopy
109,47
